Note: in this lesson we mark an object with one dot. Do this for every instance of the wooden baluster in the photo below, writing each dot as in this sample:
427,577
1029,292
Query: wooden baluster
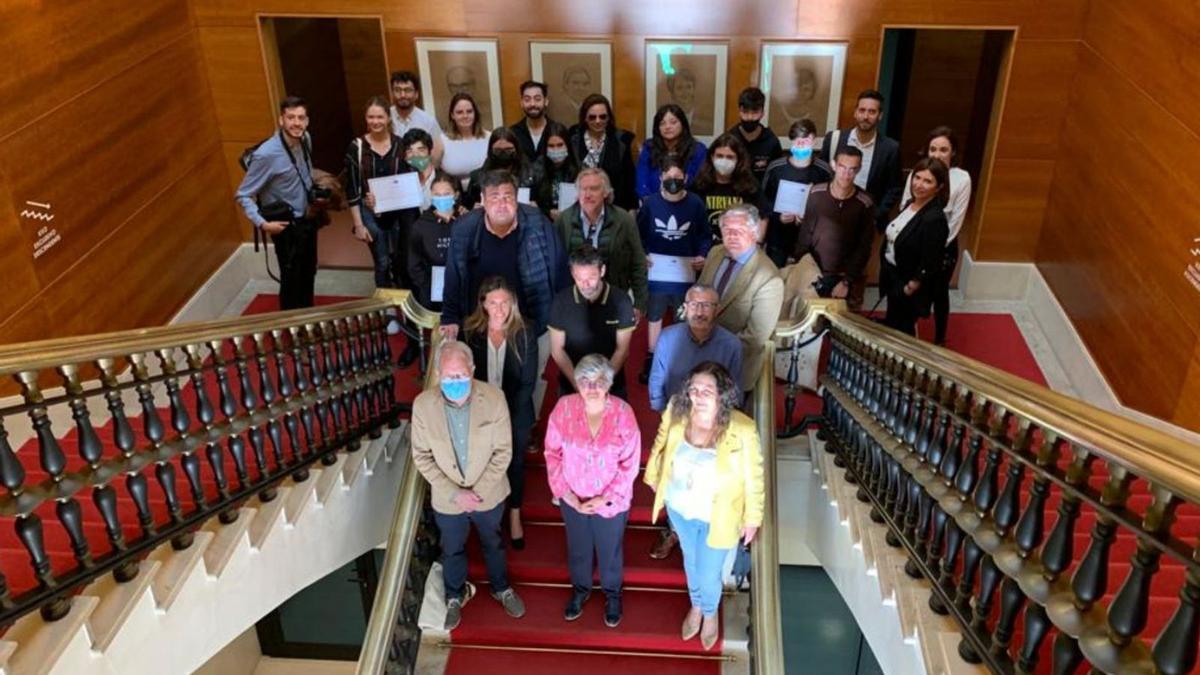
358,368
300,448
12,475
205,414
1175,649
1091,576
986,495
123,436
274,432
339,416
164,471
1005,516
1130,608
249,401
352,394
951,467
257,440
228,406
937,451
966,482
319,380
274,429
29,527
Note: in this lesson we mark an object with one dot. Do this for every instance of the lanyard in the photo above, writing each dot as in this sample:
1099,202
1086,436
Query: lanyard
307,160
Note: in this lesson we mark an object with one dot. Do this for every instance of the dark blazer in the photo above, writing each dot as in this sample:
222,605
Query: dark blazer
517,381
617,161
525,140
884,183
542,265
919,251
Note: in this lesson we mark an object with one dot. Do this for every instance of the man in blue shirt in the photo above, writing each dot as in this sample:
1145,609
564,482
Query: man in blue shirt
683,346
280,175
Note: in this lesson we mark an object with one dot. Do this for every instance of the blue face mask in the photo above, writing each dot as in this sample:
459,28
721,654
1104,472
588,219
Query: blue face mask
456,390
801,154
444,204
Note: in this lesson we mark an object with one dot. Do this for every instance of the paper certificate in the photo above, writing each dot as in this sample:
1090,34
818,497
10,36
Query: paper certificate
791,197
438,285
523,196
568,194
671,268
392,193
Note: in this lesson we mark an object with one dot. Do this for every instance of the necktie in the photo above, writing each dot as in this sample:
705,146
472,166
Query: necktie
723,282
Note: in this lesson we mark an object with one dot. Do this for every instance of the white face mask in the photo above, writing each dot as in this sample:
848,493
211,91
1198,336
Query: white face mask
724,165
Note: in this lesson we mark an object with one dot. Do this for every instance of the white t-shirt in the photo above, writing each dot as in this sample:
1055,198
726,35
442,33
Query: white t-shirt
868,154
693,485
462,156
893,231
417,119
956,205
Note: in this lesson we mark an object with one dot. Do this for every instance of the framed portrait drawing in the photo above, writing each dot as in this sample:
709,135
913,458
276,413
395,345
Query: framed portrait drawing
691,75
572,71
450,66
802,80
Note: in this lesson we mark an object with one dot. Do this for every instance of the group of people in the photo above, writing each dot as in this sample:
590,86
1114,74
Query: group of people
540,241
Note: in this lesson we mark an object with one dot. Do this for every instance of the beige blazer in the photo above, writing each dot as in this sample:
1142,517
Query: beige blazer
750,306
489,448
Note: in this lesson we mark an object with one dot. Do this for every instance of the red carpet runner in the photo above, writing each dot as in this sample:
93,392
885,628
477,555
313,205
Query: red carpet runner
655,595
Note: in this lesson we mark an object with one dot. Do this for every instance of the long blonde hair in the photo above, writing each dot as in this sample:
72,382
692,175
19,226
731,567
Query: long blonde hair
478,321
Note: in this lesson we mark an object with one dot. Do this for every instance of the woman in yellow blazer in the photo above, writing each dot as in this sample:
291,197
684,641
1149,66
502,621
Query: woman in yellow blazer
706,468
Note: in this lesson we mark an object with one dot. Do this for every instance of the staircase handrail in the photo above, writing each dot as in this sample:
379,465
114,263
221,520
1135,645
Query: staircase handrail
766,623
269,394
958,457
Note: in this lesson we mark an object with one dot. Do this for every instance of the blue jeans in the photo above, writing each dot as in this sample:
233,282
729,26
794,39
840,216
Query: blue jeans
385,249
702,563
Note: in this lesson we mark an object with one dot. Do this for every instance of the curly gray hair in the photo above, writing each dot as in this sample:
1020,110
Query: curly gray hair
596,368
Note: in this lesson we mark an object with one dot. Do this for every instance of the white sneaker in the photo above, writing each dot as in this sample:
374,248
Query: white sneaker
393,327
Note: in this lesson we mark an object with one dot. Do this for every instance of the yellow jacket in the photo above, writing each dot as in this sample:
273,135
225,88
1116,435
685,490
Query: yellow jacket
740,495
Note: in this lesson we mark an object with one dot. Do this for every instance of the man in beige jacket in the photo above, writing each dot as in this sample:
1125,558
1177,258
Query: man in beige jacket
462,444
749,284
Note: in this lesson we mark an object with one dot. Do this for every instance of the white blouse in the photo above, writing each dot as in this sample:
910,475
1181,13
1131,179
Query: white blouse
893,231
956,205
495,364
462,156
694,481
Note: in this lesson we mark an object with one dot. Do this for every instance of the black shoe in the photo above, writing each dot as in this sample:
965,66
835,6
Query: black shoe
575,605
518,543
644,376
612,612
410,354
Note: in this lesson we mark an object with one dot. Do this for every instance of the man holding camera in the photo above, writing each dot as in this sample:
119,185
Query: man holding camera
280,198
838,229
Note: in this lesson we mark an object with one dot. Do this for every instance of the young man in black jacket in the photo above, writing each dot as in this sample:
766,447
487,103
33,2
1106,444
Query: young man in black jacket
531,129
761,143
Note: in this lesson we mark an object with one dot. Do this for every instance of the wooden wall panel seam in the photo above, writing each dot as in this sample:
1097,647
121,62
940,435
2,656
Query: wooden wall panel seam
110,234
1136,84
98,84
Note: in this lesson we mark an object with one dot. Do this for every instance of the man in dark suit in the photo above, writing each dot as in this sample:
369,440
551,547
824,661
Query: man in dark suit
880,173
531,129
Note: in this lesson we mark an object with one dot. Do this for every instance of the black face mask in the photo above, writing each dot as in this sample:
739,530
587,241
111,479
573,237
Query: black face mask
504,156
673,186
748,126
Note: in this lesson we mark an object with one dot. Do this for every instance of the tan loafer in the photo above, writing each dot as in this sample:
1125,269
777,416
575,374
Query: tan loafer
710,633
691,626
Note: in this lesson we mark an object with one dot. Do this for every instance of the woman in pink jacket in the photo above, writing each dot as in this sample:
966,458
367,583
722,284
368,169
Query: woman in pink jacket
593,449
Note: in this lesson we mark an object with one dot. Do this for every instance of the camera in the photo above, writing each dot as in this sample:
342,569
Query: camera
825,284
319,194
276,212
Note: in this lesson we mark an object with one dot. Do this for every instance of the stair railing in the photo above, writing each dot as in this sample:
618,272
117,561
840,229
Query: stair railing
393,637
766,633
267,396
962,462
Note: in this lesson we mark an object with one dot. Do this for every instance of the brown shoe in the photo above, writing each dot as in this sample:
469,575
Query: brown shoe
666,544
710,632
691,624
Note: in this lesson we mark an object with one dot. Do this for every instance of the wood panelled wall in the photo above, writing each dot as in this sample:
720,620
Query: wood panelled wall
1124,206
108,119
1010,213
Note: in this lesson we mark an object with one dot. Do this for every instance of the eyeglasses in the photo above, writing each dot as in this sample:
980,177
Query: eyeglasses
598,118
701,304
592,384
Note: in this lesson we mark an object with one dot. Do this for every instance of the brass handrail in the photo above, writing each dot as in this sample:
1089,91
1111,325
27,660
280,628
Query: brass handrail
766,644
1145,450
410,502
29,356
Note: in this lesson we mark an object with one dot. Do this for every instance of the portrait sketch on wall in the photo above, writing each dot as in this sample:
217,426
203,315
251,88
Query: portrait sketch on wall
692,76
572,71
452,66
802,80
